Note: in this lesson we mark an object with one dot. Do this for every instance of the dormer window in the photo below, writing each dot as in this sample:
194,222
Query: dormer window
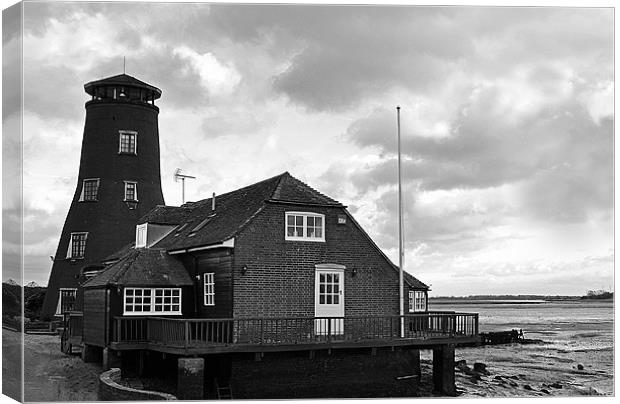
127,142
141,235
305,226
149,234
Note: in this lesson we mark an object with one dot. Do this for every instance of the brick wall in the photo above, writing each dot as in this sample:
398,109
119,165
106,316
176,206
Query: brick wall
281,274
341,374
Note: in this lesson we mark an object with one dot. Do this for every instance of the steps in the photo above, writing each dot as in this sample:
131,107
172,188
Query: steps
223,392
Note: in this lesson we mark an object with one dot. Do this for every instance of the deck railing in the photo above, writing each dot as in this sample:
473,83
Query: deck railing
75,323
186,333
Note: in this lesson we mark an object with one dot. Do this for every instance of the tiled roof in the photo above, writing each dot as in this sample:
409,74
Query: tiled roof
199,225
143,267
233,210
413,281
118,254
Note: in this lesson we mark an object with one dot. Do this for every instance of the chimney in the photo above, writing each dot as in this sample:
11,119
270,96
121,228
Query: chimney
213,202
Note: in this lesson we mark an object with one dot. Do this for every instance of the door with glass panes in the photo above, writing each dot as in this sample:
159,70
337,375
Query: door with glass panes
329,301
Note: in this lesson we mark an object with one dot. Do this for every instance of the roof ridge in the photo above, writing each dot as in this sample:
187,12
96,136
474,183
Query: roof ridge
126,265
203,201
299,183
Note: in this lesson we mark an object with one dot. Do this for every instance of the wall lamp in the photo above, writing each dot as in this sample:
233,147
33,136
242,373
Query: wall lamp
354,272
244,269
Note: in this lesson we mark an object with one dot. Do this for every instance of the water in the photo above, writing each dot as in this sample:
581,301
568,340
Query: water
574,333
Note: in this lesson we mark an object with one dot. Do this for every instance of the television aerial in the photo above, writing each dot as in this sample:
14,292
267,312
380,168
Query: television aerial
178,176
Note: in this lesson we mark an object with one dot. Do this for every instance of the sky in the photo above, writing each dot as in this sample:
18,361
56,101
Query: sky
507,125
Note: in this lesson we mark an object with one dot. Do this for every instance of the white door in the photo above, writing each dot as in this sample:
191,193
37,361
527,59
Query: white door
329,301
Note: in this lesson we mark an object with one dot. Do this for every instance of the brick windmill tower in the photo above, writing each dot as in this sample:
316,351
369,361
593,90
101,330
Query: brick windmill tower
118,182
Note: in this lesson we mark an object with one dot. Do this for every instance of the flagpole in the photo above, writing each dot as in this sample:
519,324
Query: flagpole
400,237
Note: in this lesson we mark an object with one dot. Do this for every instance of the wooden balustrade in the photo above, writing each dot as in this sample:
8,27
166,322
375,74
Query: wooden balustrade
75,322
187,333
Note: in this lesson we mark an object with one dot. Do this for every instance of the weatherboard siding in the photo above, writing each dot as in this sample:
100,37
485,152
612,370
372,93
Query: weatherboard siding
94,321
220,263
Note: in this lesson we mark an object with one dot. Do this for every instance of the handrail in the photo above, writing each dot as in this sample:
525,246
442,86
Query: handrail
185,333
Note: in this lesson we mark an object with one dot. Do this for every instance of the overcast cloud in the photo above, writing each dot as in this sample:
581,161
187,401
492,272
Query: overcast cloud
507,117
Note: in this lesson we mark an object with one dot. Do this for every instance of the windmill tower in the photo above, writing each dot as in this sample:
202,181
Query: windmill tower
118,182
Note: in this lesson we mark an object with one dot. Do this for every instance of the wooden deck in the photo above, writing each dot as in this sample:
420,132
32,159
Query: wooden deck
206,336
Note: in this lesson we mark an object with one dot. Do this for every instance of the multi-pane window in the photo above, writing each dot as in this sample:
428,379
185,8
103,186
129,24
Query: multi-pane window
329,288
127,142
209,289
305,226
66,300
90,188
157,301
77,245
131,191
417,300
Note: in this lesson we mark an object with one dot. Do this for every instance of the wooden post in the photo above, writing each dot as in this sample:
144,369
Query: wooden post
476,323
329,330
186,333
443,370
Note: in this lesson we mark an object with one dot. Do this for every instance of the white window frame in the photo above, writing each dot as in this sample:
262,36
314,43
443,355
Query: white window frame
82,194
417,301
70,248
209,288
58,306
135,191
152,301
304,236
135,140
141,230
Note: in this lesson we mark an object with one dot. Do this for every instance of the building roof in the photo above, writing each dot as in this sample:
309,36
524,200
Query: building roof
143,267
199,225
121,80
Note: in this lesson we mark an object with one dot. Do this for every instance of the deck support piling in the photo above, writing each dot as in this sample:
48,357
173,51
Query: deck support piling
416,363
90,353
190,378
111,359
443,370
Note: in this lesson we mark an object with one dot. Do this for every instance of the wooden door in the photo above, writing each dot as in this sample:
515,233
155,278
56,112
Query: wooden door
329,301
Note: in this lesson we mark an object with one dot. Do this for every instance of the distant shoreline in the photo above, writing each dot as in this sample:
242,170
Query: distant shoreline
465,300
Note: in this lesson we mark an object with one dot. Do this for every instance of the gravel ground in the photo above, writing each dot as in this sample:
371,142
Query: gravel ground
50,375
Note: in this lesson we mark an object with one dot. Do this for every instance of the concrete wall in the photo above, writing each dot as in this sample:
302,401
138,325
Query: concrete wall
110,390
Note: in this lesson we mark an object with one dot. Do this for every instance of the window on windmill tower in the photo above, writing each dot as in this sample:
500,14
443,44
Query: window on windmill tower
131,191
90,189
77,245
127,142
66,300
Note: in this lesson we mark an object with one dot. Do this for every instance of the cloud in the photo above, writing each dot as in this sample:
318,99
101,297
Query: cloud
217,78
506,138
